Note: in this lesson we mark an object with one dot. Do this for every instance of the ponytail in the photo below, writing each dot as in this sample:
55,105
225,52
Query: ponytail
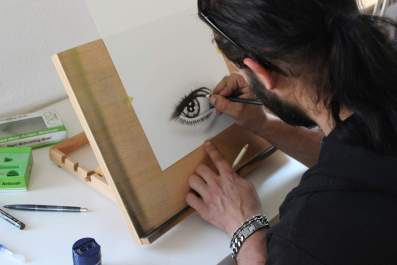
363,77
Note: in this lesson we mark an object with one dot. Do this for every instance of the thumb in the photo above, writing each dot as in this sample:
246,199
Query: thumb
223,105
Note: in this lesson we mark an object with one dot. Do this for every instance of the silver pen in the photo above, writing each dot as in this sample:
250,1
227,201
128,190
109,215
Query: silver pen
46,208
12,220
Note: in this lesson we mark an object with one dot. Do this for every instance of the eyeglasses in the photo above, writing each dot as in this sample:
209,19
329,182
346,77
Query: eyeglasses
266,63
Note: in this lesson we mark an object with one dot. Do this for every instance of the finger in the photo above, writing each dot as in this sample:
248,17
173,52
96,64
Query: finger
241,81
223,105
234,83
207,174
221,85
198,185
229,85
195,202
240,92
246,91
248,96
228,91
220,163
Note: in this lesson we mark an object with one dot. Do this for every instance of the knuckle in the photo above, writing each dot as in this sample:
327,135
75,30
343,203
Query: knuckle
230,178
209,196
189,199
230,173
220,104
211,149
217,183
216,189
192,180
235,75
226,166
222,164
216,192
201,168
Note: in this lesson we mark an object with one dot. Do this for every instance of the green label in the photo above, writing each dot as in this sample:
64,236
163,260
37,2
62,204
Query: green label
31,134
13,183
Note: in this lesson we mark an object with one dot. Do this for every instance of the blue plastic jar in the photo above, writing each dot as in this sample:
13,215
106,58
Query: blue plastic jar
87,251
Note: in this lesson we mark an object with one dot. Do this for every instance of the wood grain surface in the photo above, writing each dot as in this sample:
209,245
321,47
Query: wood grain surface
151,200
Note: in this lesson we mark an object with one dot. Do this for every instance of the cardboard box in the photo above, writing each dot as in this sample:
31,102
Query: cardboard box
36,130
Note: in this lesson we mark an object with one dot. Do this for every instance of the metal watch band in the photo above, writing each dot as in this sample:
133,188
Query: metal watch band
252,225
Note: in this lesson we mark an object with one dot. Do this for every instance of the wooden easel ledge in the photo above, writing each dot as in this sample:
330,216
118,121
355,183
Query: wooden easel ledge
60,155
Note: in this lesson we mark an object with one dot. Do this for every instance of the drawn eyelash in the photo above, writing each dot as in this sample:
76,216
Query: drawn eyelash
189,110
183,103
195,122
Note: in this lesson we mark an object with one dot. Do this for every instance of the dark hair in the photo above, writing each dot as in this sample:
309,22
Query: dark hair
347,55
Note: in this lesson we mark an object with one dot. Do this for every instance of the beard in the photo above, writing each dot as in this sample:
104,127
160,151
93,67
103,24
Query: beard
284,110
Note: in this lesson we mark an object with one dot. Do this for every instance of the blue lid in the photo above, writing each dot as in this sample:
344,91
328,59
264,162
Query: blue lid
86,252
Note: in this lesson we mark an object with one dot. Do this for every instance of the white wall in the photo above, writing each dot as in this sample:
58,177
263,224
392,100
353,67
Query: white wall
31,31
115,16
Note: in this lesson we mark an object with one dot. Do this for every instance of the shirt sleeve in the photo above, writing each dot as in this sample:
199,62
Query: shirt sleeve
284,252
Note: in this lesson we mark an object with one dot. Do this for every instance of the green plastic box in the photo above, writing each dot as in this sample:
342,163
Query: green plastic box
15,167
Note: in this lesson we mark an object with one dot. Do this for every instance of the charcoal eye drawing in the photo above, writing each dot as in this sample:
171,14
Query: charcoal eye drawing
183,77
193,108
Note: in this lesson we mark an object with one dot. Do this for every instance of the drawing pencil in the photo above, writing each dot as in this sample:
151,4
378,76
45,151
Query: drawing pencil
256,102
240,156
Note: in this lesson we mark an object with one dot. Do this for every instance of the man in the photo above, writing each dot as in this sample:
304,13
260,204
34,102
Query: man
328,74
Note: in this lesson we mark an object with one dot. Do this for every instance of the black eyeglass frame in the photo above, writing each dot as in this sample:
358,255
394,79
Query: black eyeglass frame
266,63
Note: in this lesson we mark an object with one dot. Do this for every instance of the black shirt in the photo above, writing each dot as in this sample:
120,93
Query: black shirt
344,211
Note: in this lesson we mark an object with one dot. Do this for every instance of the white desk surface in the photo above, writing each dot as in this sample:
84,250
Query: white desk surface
49,237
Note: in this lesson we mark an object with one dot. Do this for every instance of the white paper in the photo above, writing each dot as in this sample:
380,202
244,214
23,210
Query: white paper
159,63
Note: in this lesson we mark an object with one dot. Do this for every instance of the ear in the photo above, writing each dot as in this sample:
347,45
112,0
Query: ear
269,78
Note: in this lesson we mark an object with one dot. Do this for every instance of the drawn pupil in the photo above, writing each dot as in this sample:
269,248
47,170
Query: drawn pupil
192,110
188,111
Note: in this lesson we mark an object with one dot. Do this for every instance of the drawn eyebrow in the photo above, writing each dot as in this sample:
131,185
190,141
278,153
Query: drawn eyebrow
186,100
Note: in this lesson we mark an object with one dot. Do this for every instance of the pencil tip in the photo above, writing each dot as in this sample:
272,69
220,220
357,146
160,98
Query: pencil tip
83,210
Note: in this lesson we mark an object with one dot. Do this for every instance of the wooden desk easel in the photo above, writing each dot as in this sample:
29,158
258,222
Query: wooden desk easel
151,200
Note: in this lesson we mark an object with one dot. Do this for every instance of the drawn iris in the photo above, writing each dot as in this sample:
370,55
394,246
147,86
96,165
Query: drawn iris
193,108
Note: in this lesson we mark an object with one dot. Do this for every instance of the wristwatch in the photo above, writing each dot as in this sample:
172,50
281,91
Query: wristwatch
249,227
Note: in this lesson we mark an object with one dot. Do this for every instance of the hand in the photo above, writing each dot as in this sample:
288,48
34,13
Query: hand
248,116
223,199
